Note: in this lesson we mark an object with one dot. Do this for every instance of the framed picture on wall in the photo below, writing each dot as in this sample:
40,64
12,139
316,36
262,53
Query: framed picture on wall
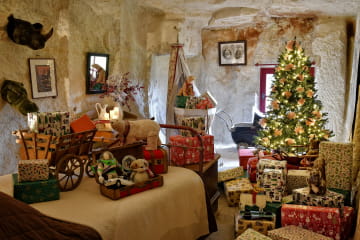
42,75
97,72
232,53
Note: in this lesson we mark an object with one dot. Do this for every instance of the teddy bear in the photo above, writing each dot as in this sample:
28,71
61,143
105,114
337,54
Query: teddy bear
187,88
107,167
317,181
137,130
140,171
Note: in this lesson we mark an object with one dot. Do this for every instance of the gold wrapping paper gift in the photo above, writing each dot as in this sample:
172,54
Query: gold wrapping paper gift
261,226
234,188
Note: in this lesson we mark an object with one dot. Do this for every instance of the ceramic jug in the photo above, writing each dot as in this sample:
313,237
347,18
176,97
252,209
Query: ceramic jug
101,111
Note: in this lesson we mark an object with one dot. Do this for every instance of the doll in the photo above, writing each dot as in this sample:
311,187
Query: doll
108,167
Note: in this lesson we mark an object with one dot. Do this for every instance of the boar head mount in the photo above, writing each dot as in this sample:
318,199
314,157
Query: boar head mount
25,33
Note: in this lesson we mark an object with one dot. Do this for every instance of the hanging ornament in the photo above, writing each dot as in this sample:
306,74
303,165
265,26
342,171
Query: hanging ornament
291,115
309,93
277,132
300,89
301,101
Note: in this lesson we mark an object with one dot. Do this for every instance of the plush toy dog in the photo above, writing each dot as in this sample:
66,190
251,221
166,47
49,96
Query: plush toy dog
137,130
140,171
108,167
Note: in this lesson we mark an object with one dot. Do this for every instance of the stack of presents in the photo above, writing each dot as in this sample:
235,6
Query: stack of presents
277,201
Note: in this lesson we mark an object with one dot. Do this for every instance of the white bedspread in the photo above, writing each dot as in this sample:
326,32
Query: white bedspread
177,210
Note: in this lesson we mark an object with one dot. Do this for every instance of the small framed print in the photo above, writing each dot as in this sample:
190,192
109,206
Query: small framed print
42,75
232,53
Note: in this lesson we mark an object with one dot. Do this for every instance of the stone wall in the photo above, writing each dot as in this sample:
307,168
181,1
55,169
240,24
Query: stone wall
236,88
130,34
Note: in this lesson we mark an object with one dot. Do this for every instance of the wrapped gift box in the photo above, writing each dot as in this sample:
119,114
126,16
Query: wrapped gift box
345,193
302,196
338,164
244,155
260,225
49,123
197,123
273,181
295,233
230,174
158,160
296,179
82,124
33,170
275,208
37,191
323,220
269,164
251,234
183,150
252,199
234,188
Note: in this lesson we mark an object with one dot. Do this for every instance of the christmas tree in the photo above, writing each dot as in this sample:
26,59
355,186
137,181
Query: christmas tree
294,117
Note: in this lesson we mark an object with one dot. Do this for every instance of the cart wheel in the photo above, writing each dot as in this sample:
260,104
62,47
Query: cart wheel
69,172
89,170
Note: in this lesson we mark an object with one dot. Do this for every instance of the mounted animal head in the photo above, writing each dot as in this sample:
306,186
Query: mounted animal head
25,33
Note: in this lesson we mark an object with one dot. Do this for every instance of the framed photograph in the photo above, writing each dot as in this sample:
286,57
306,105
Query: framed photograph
42,75
96,72
232,53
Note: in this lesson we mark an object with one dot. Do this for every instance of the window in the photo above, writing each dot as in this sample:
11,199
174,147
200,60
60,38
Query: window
266,78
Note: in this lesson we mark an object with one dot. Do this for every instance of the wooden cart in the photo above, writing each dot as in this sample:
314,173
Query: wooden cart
67,154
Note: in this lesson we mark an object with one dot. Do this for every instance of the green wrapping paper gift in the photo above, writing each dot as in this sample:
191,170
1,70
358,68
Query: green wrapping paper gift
339,162
37,191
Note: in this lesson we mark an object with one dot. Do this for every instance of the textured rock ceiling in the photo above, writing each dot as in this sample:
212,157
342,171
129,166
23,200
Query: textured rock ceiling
224,11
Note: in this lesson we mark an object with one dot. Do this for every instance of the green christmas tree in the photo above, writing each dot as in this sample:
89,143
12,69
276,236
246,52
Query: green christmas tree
294,117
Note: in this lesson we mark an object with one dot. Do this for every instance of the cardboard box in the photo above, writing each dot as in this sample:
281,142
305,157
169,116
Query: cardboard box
33,170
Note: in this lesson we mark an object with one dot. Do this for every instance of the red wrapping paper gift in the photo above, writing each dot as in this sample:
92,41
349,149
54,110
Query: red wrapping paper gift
323,220
182,156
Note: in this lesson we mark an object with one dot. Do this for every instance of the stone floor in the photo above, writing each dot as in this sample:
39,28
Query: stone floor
225,214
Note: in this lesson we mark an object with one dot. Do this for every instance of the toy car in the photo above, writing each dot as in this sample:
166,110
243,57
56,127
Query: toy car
117,182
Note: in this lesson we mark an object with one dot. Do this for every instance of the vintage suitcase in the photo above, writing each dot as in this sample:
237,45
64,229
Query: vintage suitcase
37,191
125,191
158,160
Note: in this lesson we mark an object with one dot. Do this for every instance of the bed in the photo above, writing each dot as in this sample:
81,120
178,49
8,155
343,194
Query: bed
177,210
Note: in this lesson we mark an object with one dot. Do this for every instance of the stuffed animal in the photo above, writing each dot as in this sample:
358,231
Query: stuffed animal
187,88
137,130
24,33
108,167
15,94
317,181
140,171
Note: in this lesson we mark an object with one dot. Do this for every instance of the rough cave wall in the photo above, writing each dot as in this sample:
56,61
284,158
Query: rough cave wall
236,88
80,26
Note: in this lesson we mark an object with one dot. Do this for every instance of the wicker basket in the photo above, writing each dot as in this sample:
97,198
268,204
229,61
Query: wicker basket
125,191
